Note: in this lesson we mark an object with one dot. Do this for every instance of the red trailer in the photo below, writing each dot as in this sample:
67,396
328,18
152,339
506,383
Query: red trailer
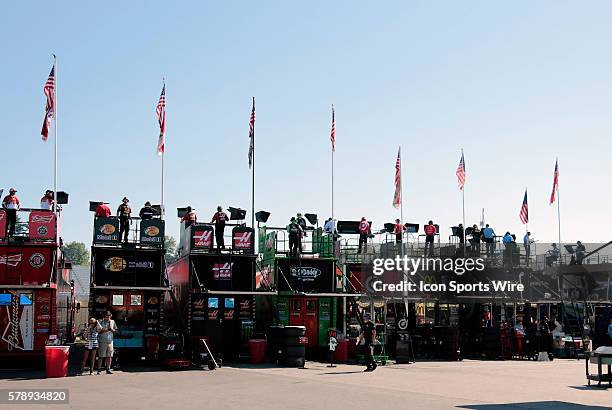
36,296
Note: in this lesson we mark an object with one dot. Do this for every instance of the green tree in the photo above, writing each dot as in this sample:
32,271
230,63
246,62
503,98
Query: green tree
77,253
171,250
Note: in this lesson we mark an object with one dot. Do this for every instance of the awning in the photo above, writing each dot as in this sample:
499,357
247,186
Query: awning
232,292
161,288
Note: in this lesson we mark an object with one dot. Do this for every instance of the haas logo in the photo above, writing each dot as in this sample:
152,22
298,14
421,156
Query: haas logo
202,238
242,240
42,219
223,270
11,260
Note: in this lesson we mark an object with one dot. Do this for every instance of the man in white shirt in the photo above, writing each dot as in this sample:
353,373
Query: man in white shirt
105,341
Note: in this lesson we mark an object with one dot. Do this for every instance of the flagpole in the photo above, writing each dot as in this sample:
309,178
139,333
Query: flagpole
463,202
332,170
55,153
253,177
163,154
559,215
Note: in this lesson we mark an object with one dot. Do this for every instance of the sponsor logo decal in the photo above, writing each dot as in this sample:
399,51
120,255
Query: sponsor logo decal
37,260
305,273
152,231
202,238
11,260
223,271
107,229
115,263
42,219
242,240
42,230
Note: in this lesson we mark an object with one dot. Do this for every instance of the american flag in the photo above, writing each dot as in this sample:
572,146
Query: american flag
49,91
252,135
333,130
461,172
397,197
161,119
555,183
524,215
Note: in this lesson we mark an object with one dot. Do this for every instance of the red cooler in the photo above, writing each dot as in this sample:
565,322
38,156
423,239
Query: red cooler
341,352
57,360
257,350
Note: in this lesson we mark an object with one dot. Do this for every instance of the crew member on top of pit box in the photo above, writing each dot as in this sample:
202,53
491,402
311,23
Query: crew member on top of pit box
219,218
10,203
364,231
147,211
46,202
102,210
124,212
398,229
430,235
189,218
295,237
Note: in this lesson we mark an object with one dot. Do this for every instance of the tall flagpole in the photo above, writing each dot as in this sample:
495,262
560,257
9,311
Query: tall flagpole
253,176
163,154
55,154
332,173
463,201
559,214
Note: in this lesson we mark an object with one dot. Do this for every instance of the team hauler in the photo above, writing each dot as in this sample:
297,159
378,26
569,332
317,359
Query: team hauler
128,278
36,293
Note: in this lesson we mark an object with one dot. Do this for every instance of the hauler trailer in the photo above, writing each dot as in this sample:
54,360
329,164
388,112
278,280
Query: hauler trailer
311,286
129,280
36,295
214,288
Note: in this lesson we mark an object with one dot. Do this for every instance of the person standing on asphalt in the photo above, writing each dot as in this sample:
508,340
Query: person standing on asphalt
105,341
368,334
489,238
124,212
219,218
364,231
430,235
90,334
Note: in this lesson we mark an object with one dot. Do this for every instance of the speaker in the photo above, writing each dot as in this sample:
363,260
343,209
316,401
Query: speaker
93,205
312,218
389,227
348,227
180,212
237,213
262,216
62,198
411,228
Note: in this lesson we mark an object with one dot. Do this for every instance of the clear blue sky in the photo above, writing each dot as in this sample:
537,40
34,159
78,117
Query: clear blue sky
514,84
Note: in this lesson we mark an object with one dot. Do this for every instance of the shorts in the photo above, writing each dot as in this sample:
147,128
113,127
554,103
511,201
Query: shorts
105,349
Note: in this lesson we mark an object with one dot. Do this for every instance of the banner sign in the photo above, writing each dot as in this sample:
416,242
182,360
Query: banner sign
106,230
122,267
269,246
202,237
243,239
312,276
26,265
224,272
152,231
42,225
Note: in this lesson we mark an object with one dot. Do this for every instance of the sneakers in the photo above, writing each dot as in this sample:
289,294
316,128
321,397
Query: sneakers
108,371
98,372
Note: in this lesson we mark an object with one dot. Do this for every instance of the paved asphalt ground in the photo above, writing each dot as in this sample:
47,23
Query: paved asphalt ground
429,385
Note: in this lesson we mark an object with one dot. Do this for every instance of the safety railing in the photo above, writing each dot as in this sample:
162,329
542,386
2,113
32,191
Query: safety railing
142,232
30,225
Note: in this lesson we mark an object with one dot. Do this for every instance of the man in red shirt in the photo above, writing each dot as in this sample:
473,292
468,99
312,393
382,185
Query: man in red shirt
398,229
219,218
102,210
189,218
10,203
364,231
430,234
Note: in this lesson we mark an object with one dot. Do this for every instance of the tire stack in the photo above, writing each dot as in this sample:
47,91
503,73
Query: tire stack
288,345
